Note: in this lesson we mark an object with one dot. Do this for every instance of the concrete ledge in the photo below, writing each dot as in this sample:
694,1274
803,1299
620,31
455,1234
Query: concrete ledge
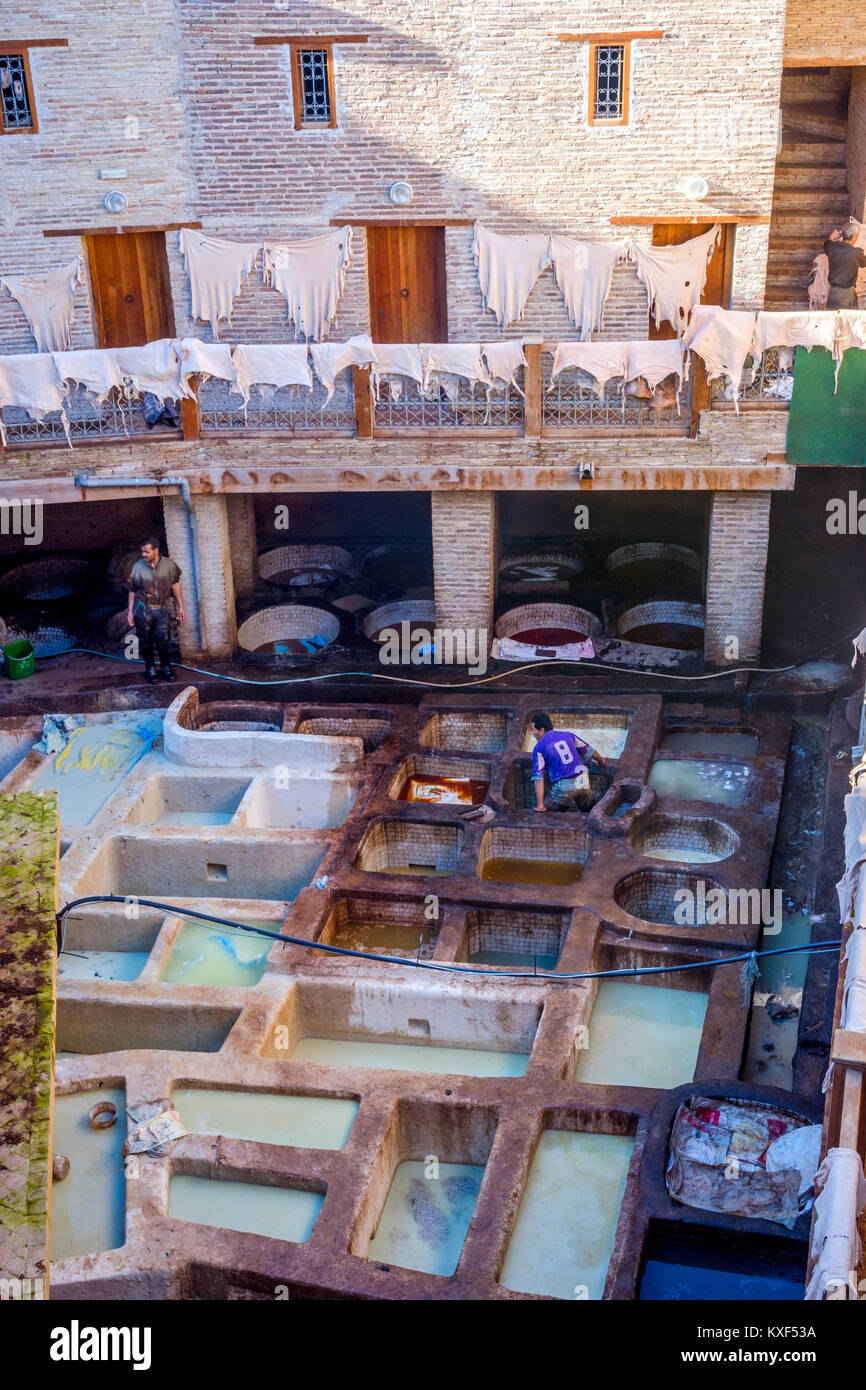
254,748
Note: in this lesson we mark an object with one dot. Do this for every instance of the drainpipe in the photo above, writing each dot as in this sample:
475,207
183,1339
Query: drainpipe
83,480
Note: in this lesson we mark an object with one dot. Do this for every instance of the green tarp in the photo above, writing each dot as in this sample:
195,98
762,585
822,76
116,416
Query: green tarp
824,428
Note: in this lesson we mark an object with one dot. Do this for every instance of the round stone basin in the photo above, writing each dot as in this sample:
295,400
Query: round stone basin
664,624
290,629
651,896
298,566
537,569
685,839
548,624
649,564
390,615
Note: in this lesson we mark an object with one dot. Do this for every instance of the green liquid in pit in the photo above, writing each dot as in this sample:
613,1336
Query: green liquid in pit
285,1213
515,959
425,1219
546,872
418,1057
203,955
87,1207
642,1035
308,1122
566,1222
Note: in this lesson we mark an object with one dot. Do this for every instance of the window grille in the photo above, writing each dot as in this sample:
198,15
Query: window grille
609,82
17,112
315,91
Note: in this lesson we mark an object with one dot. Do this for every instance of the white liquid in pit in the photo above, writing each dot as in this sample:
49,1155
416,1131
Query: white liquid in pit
94,763
309,1122
419,1057
425,1219
286,1213
101,965
212,955
87,1207
723,783
677,854
566,1222
733,744
642,1035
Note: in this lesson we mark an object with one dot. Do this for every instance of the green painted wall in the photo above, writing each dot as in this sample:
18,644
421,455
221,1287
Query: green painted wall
824,428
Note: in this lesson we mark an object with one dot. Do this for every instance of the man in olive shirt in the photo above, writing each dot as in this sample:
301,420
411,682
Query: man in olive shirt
152,582
846,261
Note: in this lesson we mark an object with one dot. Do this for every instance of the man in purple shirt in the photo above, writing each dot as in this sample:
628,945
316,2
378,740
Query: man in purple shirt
563,757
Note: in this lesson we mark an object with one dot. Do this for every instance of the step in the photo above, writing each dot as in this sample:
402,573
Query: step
814,120
810,178
822,152
815,84
803,224
832,201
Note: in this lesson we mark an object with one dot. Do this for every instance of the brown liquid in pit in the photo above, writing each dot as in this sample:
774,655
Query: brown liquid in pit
387,938
682,637
416,870
445,791
551,872
549,636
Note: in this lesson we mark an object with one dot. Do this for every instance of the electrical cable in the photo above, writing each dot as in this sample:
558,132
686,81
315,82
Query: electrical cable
447,967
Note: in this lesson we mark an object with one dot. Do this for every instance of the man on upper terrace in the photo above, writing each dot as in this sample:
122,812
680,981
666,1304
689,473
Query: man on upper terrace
846,261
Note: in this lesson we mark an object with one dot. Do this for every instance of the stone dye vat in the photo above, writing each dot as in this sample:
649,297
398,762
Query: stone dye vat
641,1035
304,566
684,839
706,1267
402,847
181,867
382,926
664,623
370,727
726,784
424,1220
308,1122
441,781
280,1213
179,801
652,564
481,732
290,629
205,954
516,940
564,1231
87,1207
729,743
94,762
548,624
544,858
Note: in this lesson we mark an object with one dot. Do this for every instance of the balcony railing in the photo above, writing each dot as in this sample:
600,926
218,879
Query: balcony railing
568,408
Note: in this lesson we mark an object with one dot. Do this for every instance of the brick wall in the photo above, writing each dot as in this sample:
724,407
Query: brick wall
739,534
855,154
217,593
832,29
483,111
465,558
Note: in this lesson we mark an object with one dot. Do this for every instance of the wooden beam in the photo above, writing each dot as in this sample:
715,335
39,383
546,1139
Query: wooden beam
849,1120
705,216
374,220
10,46
612,38
363,402
306,40
532,391
118,230
190,416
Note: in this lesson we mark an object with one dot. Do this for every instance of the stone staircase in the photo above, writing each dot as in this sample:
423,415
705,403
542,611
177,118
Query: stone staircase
810,193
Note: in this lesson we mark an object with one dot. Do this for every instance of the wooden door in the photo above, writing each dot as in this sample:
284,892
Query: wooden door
131,290
406,274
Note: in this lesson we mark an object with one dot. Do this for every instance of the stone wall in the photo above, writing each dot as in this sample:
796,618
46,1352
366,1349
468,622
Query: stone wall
828,29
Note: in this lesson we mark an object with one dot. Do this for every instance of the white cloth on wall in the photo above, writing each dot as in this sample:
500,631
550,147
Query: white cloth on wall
331,358
206,359
850,329
48,302
601,361
394,361
270,366
674,276
217,270
853,1014
656,359
855,853
311,276
155,367
508,267
442,363
787,331
30,381
722,338
502,360
835,1244
95,369
584,273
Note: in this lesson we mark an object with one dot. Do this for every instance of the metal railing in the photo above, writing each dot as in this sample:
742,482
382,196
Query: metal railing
765,382
461,405
113,418
572,402
293,409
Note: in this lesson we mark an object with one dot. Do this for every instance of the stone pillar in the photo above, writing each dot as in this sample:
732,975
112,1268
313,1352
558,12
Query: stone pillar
242,539
465,556
216,607
736,573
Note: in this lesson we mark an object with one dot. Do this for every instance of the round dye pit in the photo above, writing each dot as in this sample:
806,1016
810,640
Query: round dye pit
548,624
531,570
291,629
398,567
46,635
651,896
300,566
651,564
40,580
419,613
685,839
664,624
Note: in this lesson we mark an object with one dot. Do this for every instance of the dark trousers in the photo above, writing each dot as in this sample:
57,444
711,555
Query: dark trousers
152,626
841,299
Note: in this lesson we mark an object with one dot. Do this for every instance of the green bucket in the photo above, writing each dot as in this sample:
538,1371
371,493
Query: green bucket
20,660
